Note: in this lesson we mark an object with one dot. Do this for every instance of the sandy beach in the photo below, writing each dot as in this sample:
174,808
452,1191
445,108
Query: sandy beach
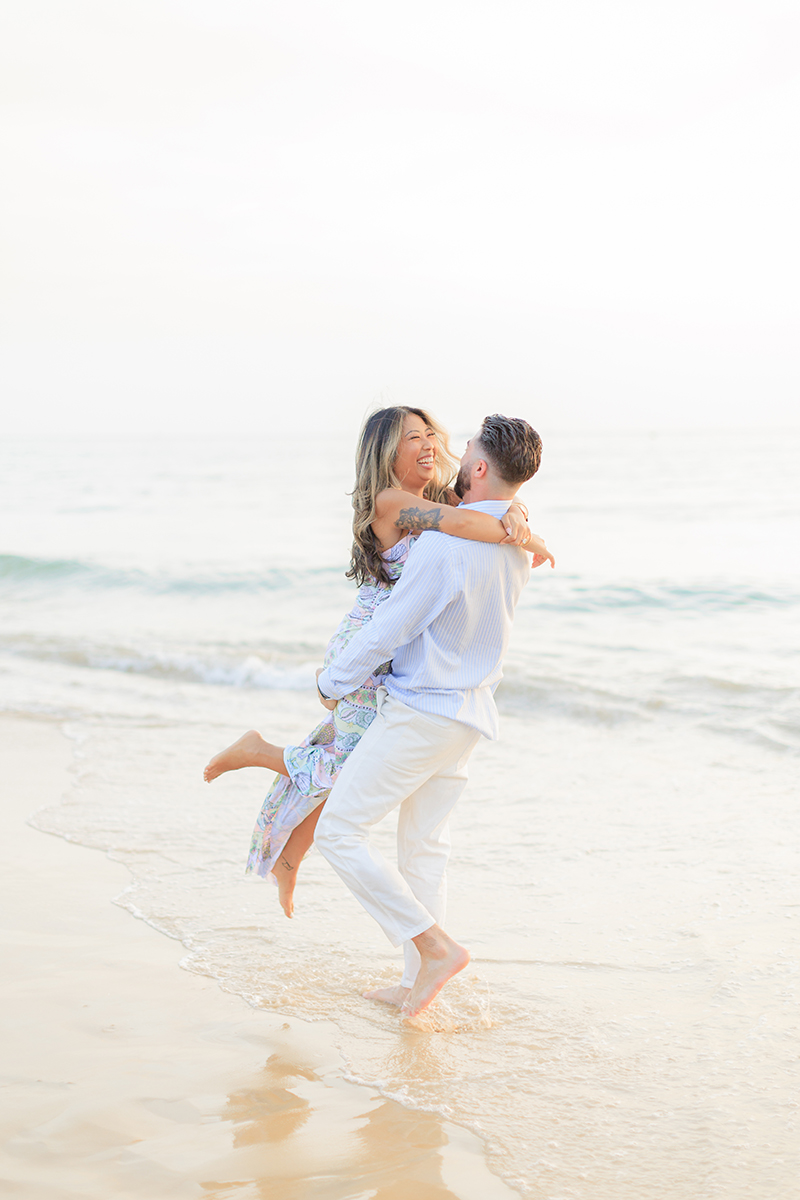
125,1076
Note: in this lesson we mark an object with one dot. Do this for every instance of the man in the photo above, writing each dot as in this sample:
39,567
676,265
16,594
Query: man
446,627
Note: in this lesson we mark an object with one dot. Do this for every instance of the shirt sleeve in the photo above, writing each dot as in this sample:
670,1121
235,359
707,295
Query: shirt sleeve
424,590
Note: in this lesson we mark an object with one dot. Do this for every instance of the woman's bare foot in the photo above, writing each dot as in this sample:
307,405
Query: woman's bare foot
392,995
442,958
286,876
250,751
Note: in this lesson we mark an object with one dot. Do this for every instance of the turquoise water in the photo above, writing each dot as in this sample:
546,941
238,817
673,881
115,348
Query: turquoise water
678,584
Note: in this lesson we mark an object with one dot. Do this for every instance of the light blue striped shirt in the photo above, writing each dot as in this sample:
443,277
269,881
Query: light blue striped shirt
445,627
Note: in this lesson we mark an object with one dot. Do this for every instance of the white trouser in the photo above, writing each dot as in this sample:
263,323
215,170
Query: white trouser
418,761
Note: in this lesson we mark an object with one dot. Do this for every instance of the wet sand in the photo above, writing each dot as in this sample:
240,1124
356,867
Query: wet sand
125,1076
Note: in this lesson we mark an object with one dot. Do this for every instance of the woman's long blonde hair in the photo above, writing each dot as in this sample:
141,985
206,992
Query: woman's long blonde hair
377,449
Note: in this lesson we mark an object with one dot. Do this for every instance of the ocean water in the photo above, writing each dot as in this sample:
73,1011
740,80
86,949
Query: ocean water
625,858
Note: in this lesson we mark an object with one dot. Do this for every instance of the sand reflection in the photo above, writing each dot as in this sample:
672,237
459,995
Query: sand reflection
297,1136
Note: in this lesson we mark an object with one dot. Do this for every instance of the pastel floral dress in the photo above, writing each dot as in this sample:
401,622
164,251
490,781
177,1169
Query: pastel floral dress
315,764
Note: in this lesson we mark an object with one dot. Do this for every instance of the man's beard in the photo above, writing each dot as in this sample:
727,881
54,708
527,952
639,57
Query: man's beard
462,484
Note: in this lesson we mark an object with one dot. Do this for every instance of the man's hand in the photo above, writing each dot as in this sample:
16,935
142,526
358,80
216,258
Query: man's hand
329,704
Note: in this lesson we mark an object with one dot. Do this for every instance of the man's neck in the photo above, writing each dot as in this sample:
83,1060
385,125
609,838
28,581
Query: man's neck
475,495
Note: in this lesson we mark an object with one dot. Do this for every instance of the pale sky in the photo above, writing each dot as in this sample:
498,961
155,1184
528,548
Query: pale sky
237,213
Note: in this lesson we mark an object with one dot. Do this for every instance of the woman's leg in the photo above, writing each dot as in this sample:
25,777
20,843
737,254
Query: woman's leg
288,862
250,751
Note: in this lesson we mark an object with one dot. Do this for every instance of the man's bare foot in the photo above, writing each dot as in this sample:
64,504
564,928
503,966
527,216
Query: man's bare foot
249,751
442,958
286,876
392,995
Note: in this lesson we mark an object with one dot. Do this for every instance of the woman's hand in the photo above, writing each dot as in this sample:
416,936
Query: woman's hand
540,552
516,527
518,534
329,704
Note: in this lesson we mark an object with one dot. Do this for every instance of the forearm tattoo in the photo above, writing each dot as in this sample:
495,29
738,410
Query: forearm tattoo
418,519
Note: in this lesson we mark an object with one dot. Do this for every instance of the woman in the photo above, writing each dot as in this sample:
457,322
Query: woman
403,466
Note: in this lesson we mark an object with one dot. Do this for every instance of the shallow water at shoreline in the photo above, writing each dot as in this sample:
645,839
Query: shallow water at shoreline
630,1015
128,1077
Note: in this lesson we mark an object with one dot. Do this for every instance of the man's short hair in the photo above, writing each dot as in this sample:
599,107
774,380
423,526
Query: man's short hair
512,446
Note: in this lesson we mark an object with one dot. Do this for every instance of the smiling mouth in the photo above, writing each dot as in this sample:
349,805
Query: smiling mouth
427,461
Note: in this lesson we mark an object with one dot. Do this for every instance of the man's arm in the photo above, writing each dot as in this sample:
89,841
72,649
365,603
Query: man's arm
425,588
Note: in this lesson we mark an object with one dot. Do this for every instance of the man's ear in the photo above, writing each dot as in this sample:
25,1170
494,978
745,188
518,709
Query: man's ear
480,469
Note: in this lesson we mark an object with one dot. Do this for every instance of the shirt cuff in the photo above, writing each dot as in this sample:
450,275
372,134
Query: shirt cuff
325,686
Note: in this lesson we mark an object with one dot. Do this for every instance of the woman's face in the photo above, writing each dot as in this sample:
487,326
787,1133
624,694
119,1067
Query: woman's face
415,460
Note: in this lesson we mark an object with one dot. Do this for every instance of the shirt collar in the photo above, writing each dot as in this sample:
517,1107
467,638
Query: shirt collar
495,508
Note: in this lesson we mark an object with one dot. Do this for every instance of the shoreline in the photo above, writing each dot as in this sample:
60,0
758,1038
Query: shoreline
128,1076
